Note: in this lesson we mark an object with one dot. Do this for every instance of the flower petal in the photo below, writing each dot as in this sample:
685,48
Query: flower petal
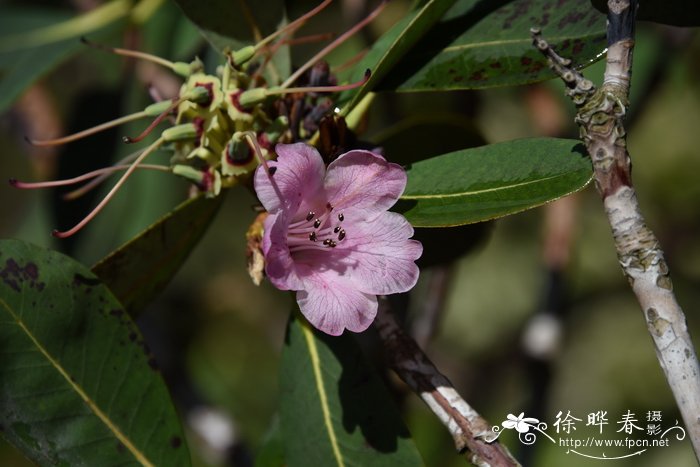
333,305
298,174
365,181
379,256
279,265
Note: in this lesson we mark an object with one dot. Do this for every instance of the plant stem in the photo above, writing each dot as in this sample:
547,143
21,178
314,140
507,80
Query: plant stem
601,120
469,431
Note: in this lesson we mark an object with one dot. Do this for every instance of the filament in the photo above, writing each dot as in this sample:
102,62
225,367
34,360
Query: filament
130,53
81,178
330,47
294,25
343,87
77,193
111,193
89,131
253,142
155,122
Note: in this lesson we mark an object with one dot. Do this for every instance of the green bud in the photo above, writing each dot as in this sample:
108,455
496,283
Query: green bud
251,97
184,132
189,173
242,56
158,108
198,94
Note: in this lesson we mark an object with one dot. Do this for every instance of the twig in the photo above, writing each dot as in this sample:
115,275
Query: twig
600,118
469,431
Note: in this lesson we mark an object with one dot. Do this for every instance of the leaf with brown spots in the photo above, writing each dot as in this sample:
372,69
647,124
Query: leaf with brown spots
480,44
76,383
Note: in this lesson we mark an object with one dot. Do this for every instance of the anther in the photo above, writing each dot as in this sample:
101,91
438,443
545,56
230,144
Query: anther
341,235
272,170
317,223
341,217
329,206
336,230
312,236
310,215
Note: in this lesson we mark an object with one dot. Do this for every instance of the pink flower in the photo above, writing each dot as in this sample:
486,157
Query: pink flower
330,237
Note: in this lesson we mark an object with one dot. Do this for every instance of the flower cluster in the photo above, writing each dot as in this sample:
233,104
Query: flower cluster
330,237
222,124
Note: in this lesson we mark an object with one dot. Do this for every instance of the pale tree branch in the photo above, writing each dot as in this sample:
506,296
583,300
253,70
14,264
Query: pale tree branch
600,118
471,433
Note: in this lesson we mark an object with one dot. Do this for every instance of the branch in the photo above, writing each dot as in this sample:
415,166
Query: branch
469,431
601,121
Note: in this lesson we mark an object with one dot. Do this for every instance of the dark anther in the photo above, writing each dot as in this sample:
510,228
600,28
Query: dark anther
272,170
341,235
310,215
312,236
329,206
327,242
317,223
332,244
126,140
336,230
341,217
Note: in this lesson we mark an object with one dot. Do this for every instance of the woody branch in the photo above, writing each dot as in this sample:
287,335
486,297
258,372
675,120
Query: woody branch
471,433
600,118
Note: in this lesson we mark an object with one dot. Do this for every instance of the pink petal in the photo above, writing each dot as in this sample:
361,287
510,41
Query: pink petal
365,181
298,174
279,265
333,305
378,255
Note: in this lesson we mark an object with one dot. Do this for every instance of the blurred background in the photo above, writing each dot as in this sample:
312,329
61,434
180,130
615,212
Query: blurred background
529,313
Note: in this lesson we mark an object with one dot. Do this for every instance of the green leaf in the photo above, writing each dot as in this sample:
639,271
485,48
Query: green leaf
393,45
478,184
77,386
486,44
43,43
140,269
334,410
271,453
227,23
673,12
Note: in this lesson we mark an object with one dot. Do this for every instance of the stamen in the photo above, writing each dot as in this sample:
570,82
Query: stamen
330,47
180,68
307,39
89,131
351,62
312,236
310,215
341,217
336,230
317,223
344,87
341,235
99,179
111,193
155,122
81,178
253,141
294,25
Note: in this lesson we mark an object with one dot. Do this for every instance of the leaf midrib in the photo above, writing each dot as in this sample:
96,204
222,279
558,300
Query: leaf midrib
140,457
485,190
519,41
316,366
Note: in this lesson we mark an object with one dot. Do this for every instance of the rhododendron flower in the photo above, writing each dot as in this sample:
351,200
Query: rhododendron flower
330,237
